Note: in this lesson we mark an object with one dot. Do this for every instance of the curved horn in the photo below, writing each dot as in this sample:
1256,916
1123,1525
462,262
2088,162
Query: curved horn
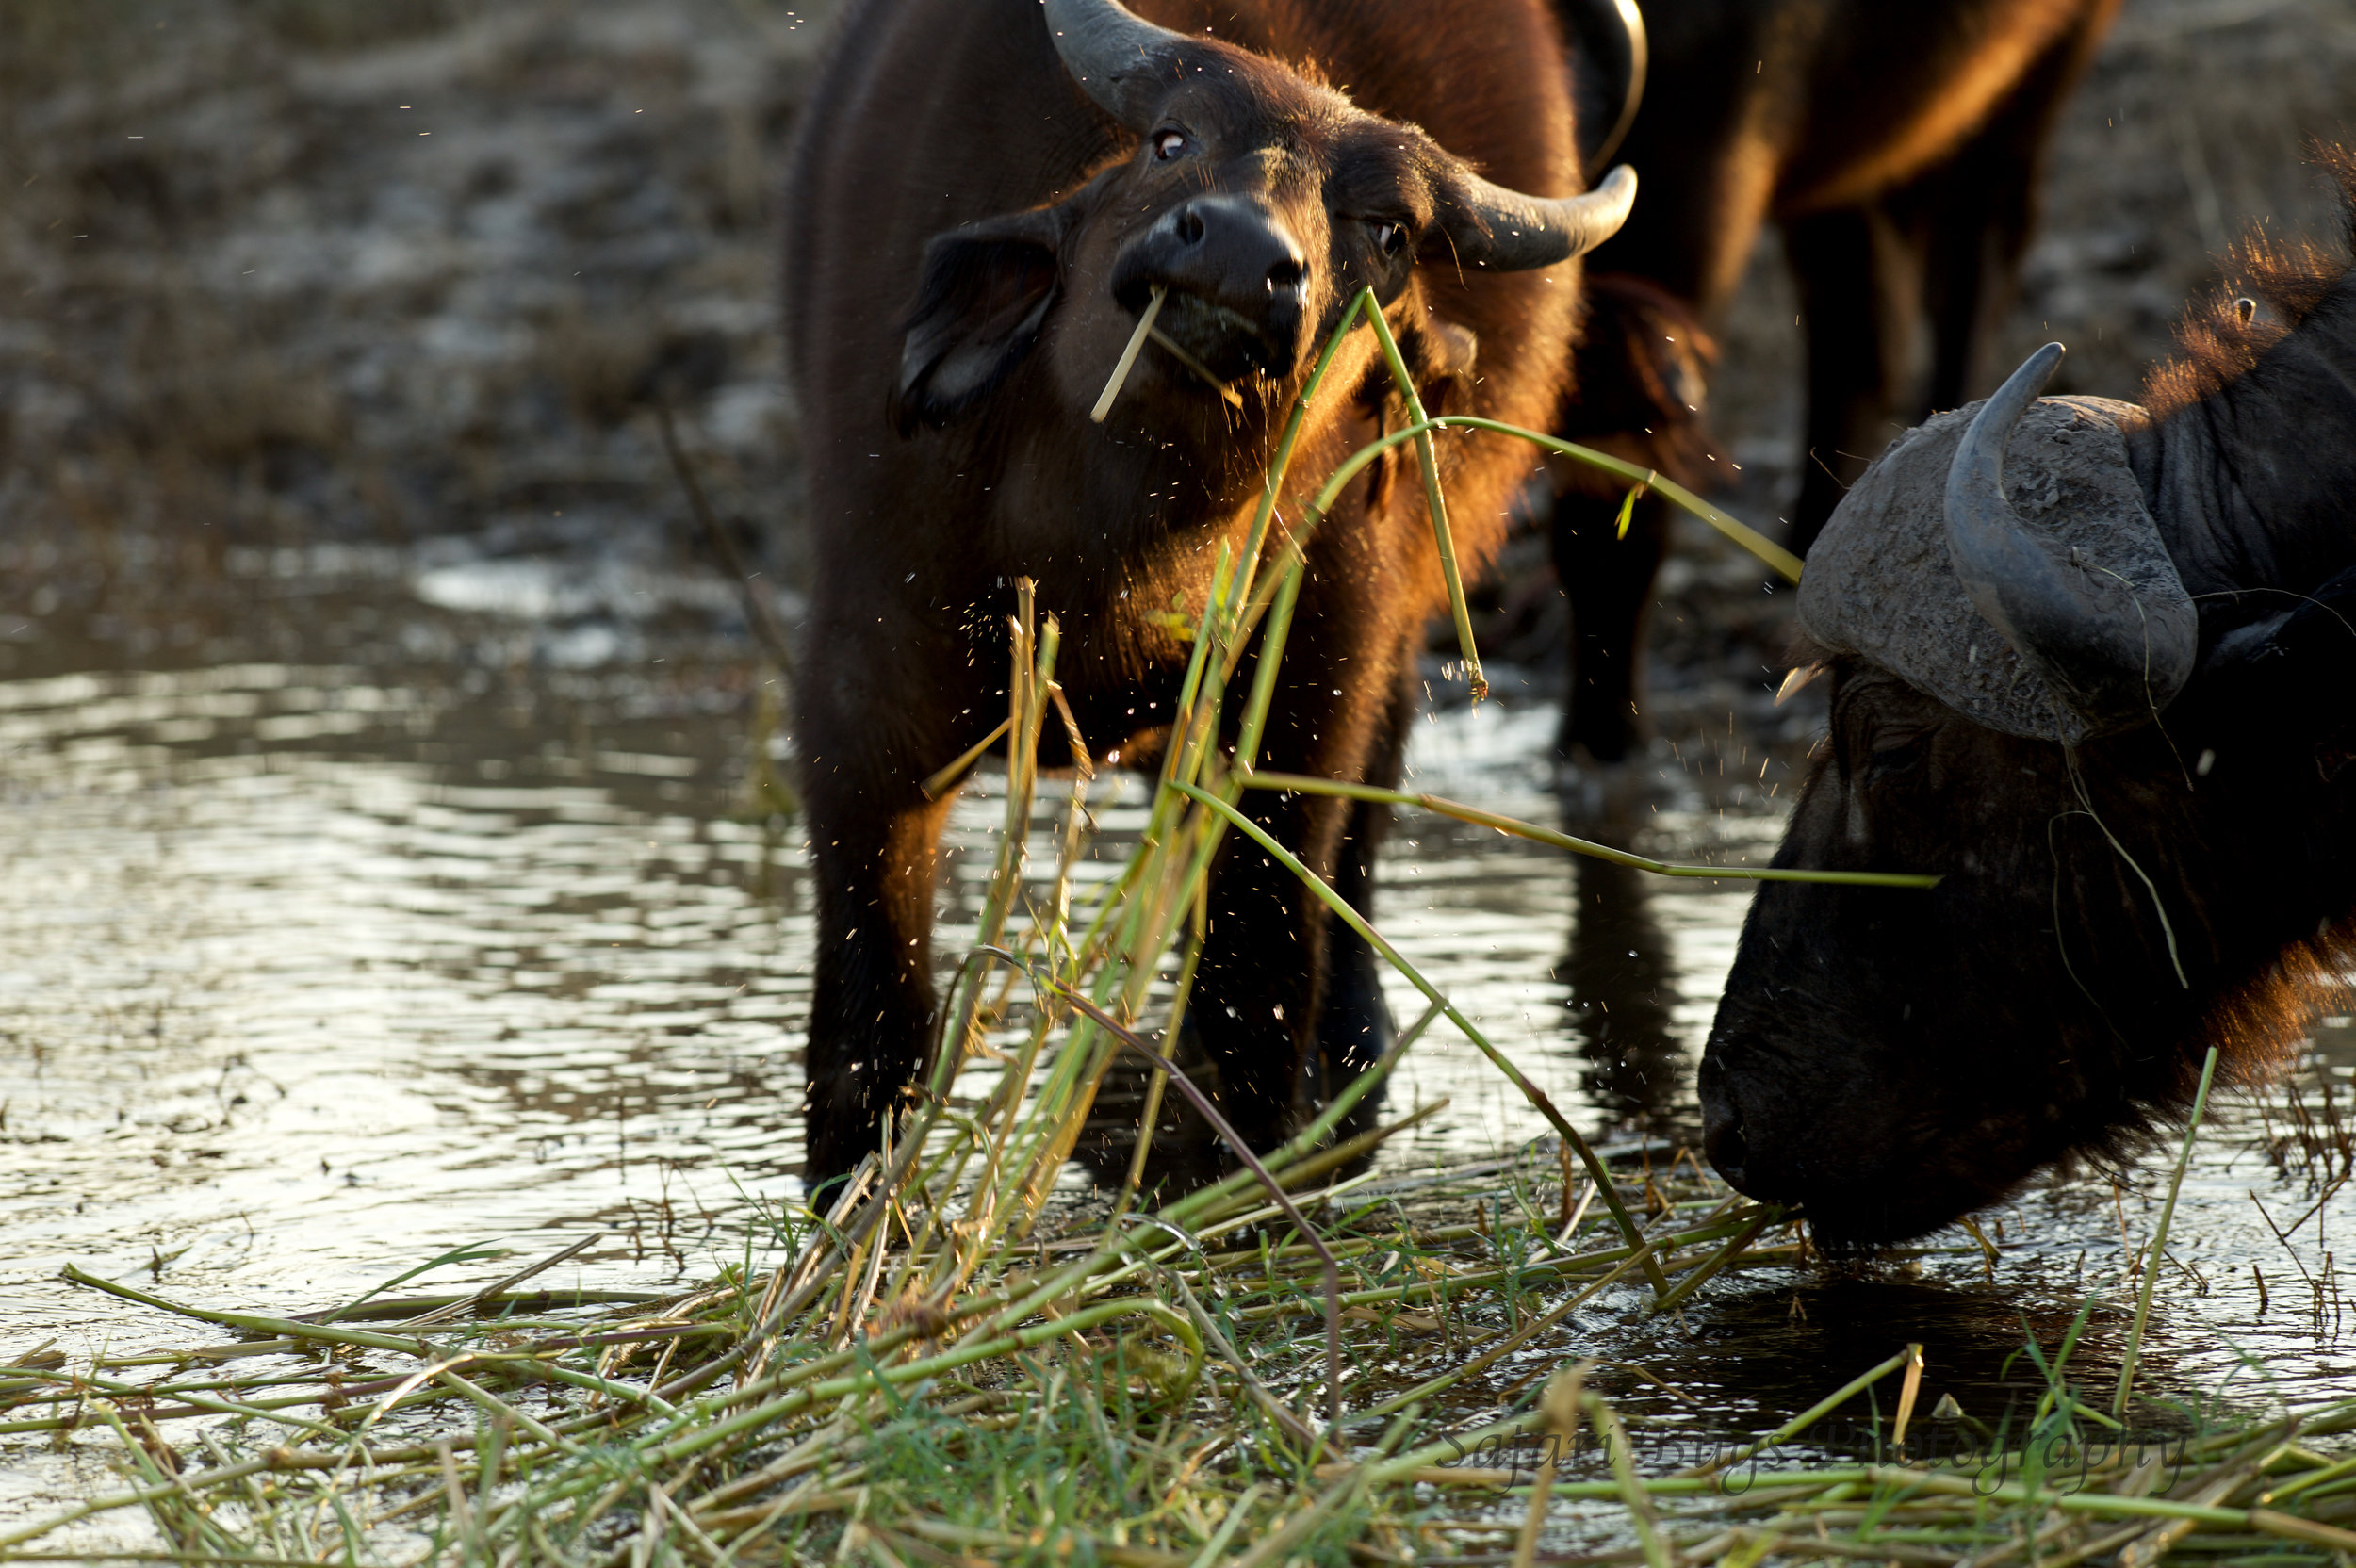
1611,42
2114,658
1111,53
1507,232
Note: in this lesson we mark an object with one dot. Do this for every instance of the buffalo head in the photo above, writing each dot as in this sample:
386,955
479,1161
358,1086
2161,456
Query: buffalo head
2136,813
1257,201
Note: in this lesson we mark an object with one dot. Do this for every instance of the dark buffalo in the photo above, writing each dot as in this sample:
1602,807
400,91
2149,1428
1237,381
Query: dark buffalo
1897,146
2099,678
985,196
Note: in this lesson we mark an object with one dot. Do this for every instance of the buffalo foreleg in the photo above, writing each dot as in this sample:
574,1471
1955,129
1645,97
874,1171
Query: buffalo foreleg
1262,976
1256,990
1609,580
1860,280
1354,1023
871,1009
1980,208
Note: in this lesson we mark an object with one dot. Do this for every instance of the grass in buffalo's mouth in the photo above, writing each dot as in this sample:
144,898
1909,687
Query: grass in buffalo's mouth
1308,1360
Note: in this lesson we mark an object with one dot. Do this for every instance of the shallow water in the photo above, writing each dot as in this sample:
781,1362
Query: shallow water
459,927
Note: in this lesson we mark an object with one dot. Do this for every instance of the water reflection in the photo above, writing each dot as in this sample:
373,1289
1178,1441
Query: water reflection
1622,988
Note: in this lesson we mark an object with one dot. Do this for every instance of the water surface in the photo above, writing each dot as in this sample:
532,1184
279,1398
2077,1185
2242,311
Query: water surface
452,916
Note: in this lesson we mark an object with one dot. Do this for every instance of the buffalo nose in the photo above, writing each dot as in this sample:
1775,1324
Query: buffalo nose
1723,1138
1232,252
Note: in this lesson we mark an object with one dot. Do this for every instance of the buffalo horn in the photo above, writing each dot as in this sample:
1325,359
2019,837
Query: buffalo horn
1509,231
1609,36
1112,53
2115,659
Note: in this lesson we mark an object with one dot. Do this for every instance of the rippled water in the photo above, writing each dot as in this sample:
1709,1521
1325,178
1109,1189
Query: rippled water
317,965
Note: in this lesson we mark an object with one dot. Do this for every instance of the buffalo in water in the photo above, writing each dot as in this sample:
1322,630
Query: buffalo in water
986,195
1898,148
2089,661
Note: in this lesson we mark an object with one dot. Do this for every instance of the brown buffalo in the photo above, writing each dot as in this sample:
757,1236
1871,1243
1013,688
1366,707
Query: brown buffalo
1897,146
2091,662
985,194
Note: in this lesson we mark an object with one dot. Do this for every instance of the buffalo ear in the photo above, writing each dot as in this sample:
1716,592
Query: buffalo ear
984,292
1442,358
1439,356
2273,672
2312,631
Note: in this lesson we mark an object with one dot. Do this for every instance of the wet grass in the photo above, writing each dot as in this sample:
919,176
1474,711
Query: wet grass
928,1378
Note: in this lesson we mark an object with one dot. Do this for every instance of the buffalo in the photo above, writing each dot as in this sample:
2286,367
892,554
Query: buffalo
985,196
1898,147
2090,662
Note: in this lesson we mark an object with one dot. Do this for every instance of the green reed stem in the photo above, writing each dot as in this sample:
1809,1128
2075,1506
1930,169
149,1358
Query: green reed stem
1435,502
2159,1240
1303,784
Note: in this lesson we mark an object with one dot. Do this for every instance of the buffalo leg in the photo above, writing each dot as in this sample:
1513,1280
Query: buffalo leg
873,837
1981,214
1609,581
1354,1023
1861,297
1255,990
1261,975
1974,255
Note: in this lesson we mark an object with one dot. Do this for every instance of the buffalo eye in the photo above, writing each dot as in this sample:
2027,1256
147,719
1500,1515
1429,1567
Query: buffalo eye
1896,751
1389,237
1168,144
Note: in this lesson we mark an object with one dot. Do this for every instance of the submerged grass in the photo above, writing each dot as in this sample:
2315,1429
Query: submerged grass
1302,1361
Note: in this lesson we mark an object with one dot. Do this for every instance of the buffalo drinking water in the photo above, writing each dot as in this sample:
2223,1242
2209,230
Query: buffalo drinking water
2089,661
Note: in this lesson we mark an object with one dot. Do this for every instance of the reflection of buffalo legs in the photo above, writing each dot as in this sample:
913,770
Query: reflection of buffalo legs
1623,996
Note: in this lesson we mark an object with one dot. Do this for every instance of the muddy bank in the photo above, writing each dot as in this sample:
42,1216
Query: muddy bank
277,276
282,272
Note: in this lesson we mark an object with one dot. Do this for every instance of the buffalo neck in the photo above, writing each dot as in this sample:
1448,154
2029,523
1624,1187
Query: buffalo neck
2249,482
1102,498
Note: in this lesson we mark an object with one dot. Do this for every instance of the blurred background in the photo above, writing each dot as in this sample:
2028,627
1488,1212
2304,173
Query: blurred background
394,851
304,274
